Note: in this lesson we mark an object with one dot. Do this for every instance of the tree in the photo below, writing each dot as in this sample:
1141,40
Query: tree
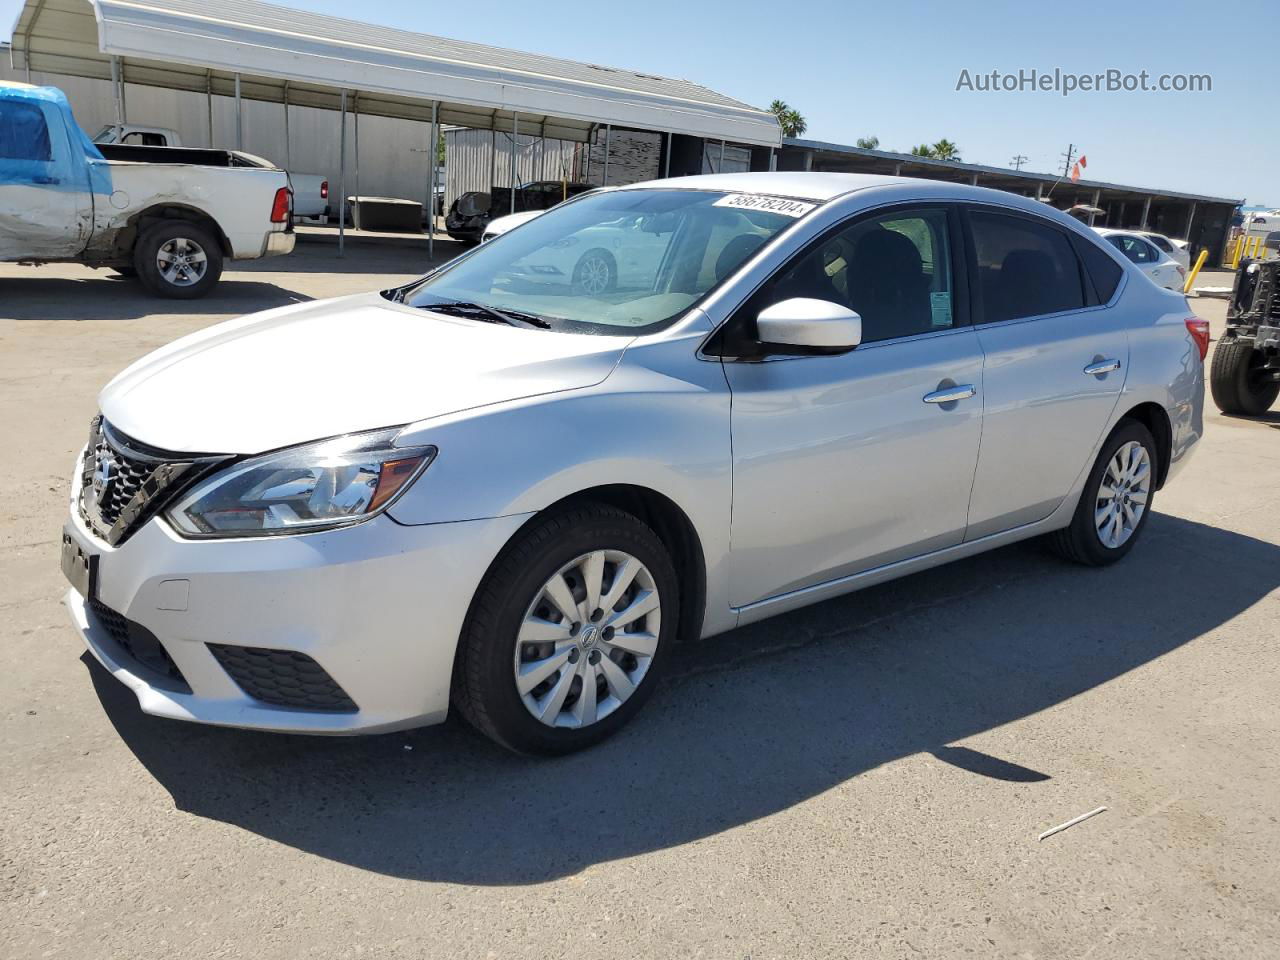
791,122
868,143
922,150
946,150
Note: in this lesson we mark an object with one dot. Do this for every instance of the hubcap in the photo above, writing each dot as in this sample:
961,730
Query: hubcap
181,261
1122,494
587,639
594,276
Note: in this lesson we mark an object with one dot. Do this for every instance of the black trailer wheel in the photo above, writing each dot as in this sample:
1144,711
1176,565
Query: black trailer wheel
1240,380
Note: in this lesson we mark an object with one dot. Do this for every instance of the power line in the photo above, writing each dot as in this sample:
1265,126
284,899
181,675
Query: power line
1017,161
1067,158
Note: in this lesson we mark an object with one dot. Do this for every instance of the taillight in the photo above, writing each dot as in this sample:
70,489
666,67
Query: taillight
324,189
280,206
1199,330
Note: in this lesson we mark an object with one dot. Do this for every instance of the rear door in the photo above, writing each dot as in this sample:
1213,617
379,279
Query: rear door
46,210
1056,358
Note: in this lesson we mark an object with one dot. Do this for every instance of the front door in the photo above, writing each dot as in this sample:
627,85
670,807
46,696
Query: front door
46,211
844,463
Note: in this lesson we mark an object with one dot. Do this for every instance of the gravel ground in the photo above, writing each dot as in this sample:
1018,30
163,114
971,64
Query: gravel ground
866,777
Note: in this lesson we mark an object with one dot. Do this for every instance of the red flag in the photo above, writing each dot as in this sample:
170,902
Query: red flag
1084,161
1075,173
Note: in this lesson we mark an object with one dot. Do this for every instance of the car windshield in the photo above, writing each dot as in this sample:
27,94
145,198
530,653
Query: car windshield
614,262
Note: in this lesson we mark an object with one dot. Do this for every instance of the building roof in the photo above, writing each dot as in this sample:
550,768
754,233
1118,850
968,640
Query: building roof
198,45
1002,176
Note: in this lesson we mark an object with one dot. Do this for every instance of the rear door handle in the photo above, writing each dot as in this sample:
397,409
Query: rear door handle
962,391
1100,367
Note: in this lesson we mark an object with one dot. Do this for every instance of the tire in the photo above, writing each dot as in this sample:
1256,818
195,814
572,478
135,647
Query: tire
190,280
596,273
1234,379
511,626
1085,540
126,271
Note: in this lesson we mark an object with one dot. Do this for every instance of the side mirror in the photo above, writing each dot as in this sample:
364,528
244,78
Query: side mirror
803,325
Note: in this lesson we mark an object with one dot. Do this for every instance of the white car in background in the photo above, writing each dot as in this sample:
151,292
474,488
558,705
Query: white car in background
1178,250
497,228
1139,248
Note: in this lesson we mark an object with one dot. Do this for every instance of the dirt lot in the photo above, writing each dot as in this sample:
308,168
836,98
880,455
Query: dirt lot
867,777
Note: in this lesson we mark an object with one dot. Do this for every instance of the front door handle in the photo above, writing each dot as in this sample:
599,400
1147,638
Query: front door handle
962,391
1101,367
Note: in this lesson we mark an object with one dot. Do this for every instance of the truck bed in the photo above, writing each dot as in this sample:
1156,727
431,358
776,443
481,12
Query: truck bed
195,156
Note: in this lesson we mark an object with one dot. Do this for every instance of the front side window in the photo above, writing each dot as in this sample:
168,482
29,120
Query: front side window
893,270
621,262
1025,268
23,132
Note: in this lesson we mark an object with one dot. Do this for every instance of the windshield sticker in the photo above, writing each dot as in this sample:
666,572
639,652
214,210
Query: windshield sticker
754,201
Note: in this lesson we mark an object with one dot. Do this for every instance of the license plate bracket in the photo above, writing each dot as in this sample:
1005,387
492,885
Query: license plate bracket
79,566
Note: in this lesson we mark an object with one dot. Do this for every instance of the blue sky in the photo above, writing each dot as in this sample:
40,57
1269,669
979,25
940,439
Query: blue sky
890,69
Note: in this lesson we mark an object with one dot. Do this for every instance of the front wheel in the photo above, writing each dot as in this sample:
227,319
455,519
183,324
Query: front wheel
178,259
569,632
596,273
1116,500
1240,380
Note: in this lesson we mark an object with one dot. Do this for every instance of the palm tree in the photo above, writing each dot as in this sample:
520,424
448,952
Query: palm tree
946,150
791,122
923,150
868,143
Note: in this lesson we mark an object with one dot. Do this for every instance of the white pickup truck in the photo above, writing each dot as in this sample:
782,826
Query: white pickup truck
168,216
310,190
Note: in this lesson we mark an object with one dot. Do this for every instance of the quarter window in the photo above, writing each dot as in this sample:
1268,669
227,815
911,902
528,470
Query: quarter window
1025,268
893,270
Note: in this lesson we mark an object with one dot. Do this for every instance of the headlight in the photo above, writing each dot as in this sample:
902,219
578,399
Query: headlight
316,486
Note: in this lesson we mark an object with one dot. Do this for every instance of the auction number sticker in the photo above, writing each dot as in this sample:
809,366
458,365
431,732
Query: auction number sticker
754,201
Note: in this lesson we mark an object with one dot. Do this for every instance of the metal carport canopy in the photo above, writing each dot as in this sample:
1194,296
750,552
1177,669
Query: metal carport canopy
201,46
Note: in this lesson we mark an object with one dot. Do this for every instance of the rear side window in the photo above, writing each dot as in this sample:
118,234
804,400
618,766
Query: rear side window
1162,243
1025,268
1103,271
23,134
1137,251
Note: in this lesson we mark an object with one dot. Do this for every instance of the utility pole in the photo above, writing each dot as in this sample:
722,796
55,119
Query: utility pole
1067,158
1017,161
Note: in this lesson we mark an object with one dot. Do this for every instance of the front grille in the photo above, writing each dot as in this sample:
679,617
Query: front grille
148,657
124,482
284,678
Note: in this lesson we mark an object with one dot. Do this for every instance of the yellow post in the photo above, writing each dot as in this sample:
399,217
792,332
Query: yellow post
1234,259
1253,247
1191,277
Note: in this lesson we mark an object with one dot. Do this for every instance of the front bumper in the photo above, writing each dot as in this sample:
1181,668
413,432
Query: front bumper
379,606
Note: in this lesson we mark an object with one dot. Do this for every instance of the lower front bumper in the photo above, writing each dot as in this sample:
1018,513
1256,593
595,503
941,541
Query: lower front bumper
378,606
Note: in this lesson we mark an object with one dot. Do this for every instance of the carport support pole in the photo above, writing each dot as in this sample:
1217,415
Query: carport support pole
666,167
1191,215
515,135
720,168
608,134
342,174
1097,198
355,120
239,118
773,160
431,193
117,92
1146,209
288,159
208,94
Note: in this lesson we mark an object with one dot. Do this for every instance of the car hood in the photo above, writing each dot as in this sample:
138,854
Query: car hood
315,370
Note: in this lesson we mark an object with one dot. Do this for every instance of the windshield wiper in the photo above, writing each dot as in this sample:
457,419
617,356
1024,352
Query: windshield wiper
482,311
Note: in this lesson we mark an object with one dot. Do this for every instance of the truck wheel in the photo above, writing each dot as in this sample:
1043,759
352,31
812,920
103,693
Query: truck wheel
178,259
1239,379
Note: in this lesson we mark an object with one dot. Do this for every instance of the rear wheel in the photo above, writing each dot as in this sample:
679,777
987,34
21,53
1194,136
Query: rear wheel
1116,500
178,259
1240,380
569,631
596,273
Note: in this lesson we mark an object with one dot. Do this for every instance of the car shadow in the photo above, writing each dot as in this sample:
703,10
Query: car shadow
105,296
749,724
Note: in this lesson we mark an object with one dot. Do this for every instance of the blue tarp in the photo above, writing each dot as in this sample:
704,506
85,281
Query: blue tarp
42,145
